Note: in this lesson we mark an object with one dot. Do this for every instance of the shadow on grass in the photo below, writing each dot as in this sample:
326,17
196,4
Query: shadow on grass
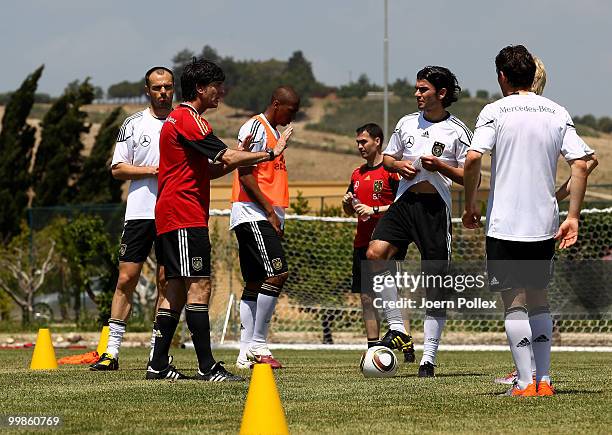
577,391
458,375
443,375
559,393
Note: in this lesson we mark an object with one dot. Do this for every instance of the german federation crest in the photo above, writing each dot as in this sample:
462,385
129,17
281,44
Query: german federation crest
378,186
437,149
196,263
277,264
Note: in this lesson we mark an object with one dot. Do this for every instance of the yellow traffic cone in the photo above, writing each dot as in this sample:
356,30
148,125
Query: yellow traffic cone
103,342
263,411
44,354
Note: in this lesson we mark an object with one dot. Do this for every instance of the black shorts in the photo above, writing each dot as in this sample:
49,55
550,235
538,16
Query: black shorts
137,240
519,265
260,250
185,253
359,255
422,218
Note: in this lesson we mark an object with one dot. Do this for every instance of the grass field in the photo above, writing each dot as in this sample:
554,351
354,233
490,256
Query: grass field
322,392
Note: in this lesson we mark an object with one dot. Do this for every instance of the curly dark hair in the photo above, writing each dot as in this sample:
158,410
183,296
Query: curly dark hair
441,78
199,72
517,64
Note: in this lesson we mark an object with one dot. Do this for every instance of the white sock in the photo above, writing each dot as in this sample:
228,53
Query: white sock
115,336
541,323
533,363
266,302
432,331
518,332
389,294
248,310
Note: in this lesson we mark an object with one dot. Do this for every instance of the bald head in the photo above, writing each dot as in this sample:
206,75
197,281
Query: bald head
285,95
284,105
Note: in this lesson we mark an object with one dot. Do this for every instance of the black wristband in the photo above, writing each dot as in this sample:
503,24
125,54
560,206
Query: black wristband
376,209
271,154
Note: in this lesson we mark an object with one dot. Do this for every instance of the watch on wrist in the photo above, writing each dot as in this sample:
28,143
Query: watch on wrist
271,154
376,209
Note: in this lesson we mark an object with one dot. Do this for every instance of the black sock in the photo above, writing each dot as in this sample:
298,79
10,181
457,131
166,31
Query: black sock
167,321
372,342
199,326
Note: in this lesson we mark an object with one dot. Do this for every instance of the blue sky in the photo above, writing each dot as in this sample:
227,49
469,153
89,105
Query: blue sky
115,40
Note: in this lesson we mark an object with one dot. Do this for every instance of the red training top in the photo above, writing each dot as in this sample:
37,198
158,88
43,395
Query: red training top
186,144
372,186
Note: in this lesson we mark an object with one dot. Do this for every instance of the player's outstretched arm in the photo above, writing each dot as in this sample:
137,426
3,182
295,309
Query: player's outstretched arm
471,179
217,170
235,158
125,171
568,230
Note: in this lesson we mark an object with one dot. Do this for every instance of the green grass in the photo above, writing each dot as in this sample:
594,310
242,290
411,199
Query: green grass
322,392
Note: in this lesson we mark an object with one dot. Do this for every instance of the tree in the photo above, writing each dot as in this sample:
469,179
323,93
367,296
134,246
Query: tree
299,75
465,93
605,124
16,144
98,93
58,158
85,245
589,120
358,89
179,61
126,90
23,269
254,94
300,205
482,94
96,185
402,88
249,84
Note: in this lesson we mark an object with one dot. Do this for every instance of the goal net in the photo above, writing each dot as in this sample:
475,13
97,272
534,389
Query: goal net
318,307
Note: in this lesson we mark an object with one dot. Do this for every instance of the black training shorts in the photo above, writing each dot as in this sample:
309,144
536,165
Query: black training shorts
185,253
260,250
519,265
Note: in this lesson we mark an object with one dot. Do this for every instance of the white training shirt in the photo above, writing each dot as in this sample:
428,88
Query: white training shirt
138,145
414,136
525,135
251,211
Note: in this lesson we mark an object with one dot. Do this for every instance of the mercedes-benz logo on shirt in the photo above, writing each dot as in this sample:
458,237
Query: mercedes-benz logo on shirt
145,141
410,141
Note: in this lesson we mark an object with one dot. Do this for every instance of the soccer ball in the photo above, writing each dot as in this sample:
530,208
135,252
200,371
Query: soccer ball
378,362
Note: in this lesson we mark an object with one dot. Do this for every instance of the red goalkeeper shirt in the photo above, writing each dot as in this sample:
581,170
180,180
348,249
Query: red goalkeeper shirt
372,186
186,144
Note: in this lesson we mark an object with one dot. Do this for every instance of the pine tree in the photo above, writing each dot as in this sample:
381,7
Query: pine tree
58,158
179,61
16,145
96,185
